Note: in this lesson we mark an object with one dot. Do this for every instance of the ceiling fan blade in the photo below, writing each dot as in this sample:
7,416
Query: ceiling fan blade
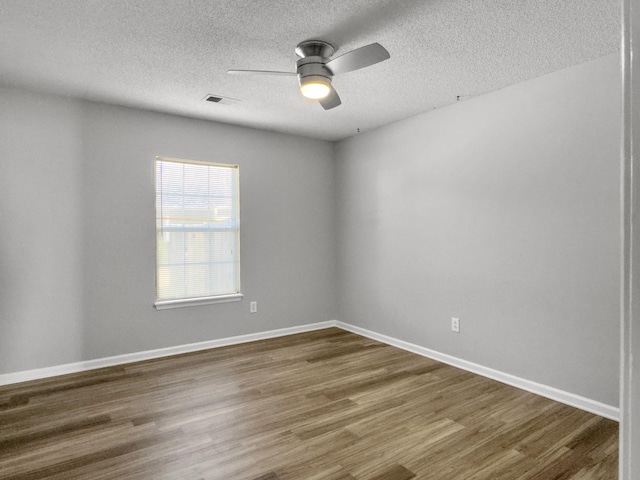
332,101
260,72
358,58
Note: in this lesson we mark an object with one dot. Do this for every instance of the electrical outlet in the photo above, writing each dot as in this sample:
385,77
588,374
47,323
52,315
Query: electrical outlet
253,307
455,324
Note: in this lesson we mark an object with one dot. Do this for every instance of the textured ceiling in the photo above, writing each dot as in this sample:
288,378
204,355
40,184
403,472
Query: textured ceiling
166,55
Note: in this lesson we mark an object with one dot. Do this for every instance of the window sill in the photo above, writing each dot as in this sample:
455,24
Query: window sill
192,302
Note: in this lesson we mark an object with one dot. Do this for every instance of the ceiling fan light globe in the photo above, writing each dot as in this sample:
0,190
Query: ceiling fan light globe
315,87
315,90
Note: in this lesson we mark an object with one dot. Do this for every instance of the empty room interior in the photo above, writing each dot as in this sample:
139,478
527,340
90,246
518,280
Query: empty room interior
420,272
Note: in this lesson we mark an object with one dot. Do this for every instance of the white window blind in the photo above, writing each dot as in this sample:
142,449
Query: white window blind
197,231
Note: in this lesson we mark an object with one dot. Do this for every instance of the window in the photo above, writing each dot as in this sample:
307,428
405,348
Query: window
197,233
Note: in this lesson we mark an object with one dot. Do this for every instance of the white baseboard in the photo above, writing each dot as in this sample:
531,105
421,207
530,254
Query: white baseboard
39,373
567,398
583,403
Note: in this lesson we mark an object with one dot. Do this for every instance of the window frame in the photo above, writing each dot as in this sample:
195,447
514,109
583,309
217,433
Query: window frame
207,299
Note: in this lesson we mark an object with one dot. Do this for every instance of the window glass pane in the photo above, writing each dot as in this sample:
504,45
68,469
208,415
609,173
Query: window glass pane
197,229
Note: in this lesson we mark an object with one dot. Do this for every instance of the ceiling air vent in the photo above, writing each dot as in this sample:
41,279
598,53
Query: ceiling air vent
220,100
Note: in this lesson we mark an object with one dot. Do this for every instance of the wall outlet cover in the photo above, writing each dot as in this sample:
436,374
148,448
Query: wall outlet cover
455,324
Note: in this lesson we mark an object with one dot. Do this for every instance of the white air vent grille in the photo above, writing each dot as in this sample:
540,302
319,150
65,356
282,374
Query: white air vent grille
220,99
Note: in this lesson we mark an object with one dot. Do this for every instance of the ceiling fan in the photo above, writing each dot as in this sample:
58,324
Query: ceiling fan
315,69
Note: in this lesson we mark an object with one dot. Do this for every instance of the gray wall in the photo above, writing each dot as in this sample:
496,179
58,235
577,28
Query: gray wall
41,257
502,210
77,244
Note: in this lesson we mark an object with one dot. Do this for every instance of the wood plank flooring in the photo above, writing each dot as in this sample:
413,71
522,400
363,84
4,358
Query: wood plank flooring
325,405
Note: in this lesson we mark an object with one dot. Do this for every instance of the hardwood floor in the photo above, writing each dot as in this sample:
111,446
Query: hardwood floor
325,405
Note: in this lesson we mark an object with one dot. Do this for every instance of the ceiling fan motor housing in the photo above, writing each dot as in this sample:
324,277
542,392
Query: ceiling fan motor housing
313,69
313,57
